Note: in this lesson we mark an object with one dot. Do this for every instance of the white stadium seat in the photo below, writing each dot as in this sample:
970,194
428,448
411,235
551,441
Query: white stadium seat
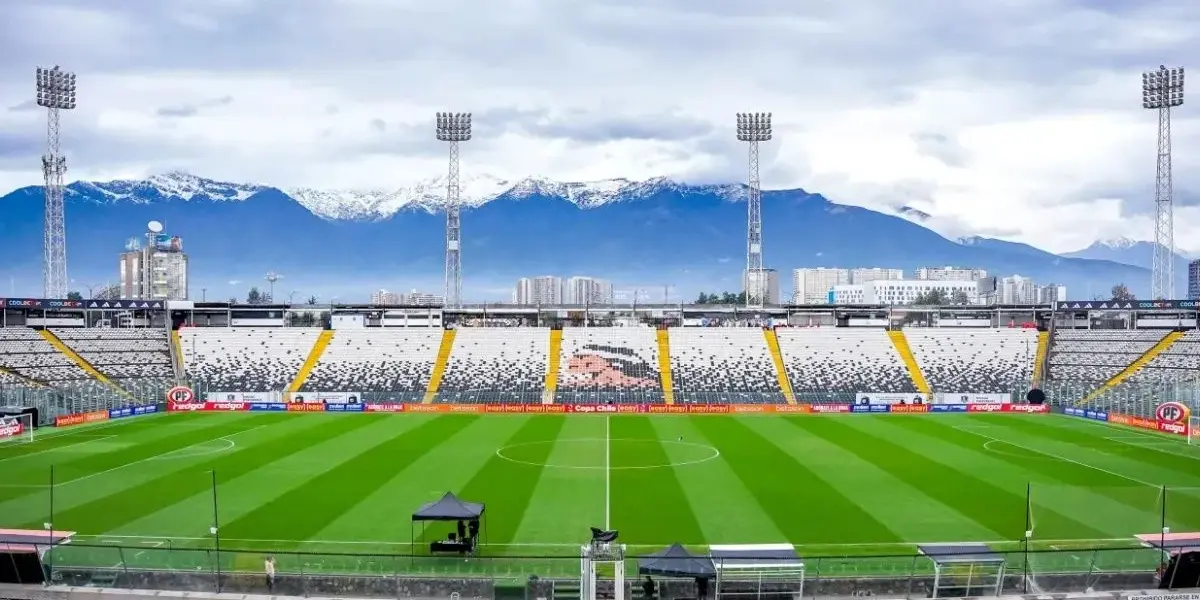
722,365
1094,356
497,364
27,353
982,361
831,364
385,364
243,359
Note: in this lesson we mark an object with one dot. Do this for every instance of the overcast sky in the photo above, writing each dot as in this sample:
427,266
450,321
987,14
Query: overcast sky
1017,119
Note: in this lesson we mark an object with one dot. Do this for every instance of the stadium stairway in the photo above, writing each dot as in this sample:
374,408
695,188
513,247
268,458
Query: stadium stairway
310,363
1039,358
551,385
1135,366
910,361
664,366
785,384
439,368
177,355
83,364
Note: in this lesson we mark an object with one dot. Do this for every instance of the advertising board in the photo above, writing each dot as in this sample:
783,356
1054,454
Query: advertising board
1008,408
324,397
1086,413
242,397
604,409
964,398
132,411
889,398
81,418
11,427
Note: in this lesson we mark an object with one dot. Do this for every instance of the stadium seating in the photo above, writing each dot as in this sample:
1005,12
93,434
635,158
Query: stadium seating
242,359
25,352
6,378
497,364
385,365
1180,362
981,361
123,353
1096,355
609,364
828,364
722,365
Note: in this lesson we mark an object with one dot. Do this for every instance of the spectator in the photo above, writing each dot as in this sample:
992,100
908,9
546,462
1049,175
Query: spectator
269,568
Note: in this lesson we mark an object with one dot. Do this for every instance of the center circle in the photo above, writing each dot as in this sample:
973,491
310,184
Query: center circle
615,454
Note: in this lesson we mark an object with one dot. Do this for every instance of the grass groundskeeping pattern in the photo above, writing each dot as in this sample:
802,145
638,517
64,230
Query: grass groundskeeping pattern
329,492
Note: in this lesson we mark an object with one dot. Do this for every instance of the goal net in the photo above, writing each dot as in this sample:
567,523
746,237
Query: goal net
16,429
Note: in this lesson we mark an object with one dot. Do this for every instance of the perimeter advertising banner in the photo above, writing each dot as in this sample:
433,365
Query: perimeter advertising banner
11,427
604,409
961,398
890,398
243,397
81,418
132,411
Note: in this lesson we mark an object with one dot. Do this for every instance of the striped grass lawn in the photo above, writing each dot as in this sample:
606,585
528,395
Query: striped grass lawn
335,492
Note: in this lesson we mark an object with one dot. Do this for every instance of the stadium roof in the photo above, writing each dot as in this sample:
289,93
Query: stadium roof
945,554
755,556
448,508
676,561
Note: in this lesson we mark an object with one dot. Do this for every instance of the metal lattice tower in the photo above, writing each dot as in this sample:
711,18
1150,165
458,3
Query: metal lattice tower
1162,90
453,128
55,92
754,128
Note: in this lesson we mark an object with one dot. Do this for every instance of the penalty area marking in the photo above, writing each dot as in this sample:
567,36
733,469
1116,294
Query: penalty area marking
715,454
202,449
70,446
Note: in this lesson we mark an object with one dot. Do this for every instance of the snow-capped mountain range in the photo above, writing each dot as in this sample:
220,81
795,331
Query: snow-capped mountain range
662,231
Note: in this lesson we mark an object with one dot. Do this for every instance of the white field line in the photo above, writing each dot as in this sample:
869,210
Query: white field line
56,448
150,458
1062,458
607,472
162,540
1159,439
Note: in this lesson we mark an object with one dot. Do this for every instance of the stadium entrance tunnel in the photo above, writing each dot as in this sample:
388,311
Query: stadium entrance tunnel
613,454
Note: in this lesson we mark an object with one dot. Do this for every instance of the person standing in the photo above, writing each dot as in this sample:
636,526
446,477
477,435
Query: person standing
269,569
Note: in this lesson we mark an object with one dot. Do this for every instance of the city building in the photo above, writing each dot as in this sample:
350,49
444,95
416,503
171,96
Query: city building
768,278
875,274
950,274
413,298
812,286
544,290
587,290
157,270
1194,280
1017,290
1051,293
902,291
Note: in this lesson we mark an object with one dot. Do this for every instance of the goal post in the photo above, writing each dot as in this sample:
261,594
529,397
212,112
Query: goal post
16,429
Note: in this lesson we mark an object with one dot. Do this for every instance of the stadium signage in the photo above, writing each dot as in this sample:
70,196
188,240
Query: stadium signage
607,409
11,428
186,406
962,398
871,408
889,398
336,407
226,406
1172,412
132,411
181,393
81,418
1087,413
268,406
393,408
910,408
1137,305
294,407
1133,421
831,408
945,408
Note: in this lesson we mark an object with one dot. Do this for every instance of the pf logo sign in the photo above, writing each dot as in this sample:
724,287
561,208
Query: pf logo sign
180,394
1172,412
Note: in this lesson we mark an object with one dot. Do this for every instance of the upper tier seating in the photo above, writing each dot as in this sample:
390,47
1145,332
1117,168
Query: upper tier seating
1096,355
243,359
26,352
385,365
981,361
831,364
603,364
497,364
123,353
722,365
1179,362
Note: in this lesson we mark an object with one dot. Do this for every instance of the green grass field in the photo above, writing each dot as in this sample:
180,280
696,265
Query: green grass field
343,486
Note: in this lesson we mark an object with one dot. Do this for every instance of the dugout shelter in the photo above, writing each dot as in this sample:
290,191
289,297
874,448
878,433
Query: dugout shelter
1181,558
22,552
757,571
961,570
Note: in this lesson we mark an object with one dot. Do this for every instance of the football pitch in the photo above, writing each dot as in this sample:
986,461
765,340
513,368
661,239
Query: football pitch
336,491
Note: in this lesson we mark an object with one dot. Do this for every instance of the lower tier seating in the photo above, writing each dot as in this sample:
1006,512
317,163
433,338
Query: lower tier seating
987,361
722,365
385,365
609,364
242,359
489,365
831,364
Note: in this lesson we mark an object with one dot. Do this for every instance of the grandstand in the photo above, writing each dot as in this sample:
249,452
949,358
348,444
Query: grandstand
243,358
393,365
974,360
1090,355
722,365
609,364
496,364
828,364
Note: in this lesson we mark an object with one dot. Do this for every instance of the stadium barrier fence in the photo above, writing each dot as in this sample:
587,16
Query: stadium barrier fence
160,564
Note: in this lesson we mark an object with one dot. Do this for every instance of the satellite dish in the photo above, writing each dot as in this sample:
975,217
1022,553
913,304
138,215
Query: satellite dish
154,227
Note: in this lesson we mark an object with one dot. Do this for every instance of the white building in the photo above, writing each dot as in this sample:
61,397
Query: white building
413,298
587,290
950,274
384,298
765,279
902,291
864,275
1051,293
544,290
158,271
812,286
1017,290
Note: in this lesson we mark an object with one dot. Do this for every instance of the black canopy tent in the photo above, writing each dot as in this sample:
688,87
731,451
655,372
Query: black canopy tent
448,508
676,561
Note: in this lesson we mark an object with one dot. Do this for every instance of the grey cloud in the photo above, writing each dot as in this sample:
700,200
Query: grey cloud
27,105
193,109
379,125
940,147
589,127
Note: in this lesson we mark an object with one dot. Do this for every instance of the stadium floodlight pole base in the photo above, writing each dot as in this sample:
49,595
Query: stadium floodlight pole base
601,553
16,429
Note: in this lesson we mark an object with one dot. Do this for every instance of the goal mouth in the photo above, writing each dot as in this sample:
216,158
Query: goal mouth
16,429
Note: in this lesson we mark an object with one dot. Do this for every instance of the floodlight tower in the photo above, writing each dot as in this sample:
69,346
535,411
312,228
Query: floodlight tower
754,128
453,128
1162,90
55,92
271,278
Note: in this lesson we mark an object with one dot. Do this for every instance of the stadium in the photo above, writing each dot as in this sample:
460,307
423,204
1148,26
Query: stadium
782,451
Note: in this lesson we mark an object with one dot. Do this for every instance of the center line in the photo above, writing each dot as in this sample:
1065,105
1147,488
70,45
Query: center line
607,473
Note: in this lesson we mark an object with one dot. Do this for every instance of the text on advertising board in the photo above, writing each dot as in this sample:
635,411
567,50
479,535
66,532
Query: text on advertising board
181,393
11,427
